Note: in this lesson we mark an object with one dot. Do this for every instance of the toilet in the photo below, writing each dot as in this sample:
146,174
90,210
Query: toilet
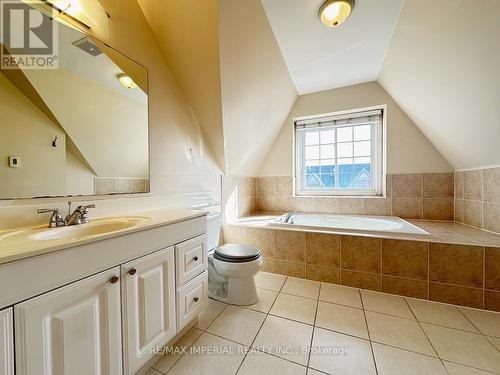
231,268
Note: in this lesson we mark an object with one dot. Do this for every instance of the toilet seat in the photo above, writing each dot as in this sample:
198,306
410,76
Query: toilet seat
236,253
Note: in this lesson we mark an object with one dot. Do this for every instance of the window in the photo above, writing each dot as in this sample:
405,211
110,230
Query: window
340,154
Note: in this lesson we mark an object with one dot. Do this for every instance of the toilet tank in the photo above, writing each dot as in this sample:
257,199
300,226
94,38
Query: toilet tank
214,223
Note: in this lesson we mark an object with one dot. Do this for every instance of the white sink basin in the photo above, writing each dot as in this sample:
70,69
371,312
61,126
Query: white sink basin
94,228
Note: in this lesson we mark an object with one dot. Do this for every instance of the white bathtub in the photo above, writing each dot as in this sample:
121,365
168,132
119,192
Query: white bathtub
352,224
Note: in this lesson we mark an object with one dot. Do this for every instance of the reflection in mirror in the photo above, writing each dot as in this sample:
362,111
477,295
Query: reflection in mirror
78,129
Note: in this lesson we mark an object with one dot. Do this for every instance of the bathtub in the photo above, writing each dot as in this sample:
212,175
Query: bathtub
375,225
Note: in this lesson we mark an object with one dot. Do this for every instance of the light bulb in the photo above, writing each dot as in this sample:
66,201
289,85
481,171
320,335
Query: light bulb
334,12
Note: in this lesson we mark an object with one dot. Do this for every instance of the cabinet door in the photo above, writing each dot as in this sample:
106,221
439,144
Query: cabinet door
148,306
6,343
72,330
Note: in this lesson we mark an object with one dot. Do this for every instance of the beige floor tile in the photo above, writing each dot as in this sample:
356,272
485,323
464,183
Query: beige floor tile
152,371
455,369
209,313
210,355
393,361
487,322
342,295
284,338
301,287
265,364
463,347
271,281
386,303
266,300
237,324
178,349
440,314
293,307
399,332
310,371
343,319
495,341
335,353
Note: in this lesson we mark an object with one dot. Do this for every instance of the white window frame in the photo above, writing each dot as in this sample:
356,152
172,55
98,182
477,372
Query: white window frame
379,151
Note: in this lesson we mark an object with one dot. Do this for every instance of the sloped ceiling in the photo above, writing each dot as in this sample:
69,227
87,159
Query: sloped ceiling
187,33
257,91
443,69
320,58
229,70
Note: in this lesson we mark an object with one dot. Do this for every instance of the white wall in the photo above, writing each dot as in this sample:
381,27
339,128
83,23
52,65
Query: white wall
257,91
408,150
443,69
26,132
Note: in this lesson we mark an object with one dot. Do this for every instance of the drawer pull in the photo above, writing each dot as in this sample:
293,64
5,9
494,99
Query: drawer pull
114,280
196,299
195,259
132,271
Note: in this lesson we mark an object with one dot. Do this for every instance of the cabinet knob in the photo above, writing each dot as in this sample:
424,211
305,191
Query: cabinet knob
114,280
195,259
195,299
132,271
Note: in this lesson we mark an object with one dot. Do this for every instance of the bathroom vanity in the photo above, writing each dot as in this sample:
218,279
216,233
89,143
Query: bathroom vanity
99,298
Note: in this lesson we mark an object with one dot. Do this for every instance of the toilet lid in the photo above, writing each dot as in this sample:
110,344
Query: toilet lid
236,253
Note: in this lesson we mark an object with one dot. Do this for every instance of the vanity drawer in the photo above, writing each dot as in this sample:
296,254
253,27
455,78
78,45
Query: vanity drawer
191,259
191,298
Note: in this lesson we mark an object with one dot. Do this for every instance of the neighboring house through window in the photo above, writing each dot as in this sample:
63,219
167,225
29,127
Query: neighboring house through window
340,153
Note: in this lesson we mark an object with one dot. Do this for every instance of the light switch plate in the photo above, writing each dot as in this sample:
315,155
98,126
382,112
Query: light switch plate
14,161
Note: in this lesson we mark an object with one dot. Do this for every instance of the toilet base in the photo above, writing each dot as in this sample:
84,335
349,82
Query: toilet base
233,283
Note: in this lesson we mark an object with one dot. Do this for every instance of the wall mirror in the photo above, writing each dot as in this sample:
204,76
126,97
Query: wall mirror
79,129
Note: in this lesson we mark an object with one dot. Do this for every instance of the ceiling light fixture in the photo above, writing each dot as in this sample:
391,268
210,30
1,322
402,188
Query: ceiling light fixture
126,81
334,12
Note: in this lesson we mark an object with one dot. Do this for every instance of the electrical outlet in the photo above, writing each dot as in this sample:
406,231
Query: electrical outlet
14,161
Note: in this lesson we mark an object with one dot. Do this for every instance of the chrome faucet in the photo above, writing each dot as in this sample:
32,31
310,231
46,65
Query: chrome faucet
288,217
56,220
79,216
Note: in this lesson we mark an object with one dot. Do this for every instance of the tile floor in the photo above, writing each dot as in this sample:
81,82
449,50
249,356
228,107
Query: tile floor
304,327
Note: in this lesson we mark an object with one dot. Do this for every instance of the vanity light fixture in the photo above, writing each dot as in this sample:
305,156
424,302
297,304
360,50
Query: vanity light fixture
126,81
334,12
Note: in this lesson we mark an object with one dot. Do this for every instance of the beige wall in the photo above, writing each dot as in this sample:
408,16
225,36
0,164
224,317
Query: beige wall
26,132
180,162
187,33
442,69
257,91
79,180
408,150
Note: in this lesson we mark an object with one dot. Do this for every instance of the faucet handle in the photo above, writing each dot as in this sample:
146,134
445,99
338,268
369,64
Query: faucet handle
90,206
56,220
47,210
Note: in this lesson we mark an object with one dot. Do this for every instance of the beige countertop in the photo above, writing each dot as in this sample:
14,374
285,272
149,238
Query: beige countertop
439,231
16,244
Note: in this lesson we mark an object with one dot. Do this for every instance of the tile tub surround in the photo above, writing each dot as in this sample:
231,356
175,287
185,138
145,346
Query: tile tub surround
477,198
239,196
465,273
409,196
386,334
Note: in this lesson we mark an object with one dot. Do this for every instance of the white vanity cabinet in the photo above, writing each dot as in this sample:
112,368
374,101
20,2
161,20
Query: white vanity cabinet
6,343
148,298
102,307
72,330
